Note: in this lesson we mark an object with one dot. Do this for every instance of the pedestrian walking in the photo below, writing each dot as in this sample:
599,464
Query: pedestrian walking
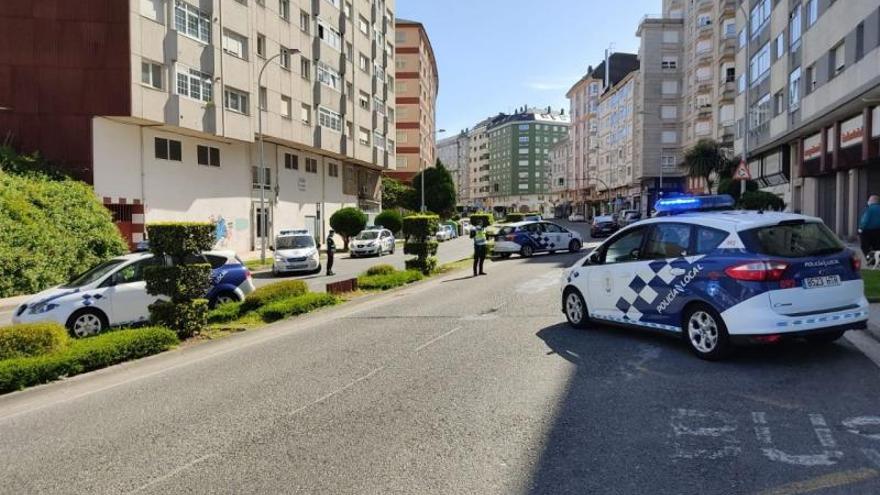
331,250
869,226
478,234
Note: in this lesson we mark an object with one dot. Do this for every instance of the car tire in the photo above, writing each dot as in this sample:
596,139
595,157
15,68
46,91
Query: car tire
705,332
825,338
87,321
575,308
574,246
526,251
223,298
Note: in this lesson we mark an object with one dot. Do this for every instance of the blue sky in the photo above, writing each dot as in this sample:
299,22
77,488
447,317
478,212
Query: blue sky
496,55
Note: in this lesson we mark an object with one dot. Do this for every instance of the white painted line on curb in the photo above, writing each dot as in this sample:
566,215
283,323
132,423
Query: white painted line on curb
337,391
867,345
173,473
435,339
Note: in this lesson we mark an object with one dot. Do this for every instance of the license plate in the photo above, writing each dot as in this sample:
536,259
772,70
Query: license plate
296,265
820,282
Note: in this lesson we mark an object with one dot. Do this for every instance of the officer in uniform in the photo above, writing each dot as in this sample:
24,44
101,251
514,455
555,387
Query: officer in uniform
478,233
331,249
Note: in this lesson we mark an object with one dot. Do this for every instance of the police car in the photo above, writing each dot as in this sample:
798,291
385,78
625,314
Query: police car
528,238
114,293
720,277
295,251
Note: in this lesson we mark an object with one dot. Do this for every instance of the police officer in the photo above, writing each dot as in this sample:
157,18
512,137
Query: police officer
331,249
478,233
869,225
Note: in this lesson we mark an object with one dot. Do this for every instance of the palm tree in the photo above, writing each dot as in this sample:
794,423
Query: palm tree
704,160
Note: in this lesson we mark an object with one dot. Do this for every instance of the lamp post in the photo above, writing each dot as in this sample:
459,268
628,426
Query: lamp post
439,131
748,110
261,175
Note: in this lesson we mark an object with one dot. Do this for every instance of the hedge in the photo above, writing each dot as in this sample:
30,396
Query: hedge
484,219
426,265
178,239
180,282
273,292
84,355
420,226
389,280
383,269
187,318
417,229
32,339
225,313
50,231
292,306
427,248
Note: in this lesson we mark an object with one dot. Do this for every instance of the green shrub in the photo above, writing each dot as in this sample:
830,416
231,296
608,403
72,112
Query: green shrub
50,231
292,306
187,318
348,222
420,225
514,217
484,219
179,239
424,249
225,313
273,292
389,280
391,220
417,229
84,355
761,200
32,339
180,282
426,265
381,270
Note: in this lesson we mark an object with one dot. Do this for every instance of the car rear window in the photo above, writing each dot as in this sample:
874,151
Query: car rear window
792,240
506,230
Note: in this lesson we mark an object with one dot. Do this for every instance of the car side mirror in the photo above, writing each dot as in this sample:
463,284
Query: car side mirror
594,258
634,254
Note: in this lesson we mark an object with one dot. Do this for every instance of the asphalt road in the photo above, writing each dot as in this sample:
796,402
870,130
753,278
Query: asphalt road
458,385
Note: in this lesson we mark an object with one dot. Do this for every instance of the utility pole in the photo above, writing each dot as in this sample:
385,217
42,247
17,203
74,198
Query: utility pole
748,109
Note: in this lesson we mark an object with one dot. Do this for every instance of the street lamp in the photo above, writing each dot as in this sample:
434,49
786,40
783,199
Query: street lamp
748,110
439,131
261,175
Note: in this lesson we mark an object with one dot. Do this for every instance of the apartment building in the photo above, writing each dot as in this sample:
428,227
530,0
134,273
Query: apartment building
616,151
806,108
478,163
658,109
416,100
453,152
561,164
519,158
159,104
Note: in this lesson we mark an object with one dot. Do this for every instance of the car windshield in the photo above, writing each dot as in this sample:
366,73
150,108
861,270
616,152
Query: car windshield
792,240
368,235
93,275
295,242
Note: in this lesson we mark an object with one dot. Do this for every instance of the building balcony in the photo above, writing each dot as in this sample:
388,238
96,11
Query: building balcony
703,56
704,111
727,8
727,48
728,90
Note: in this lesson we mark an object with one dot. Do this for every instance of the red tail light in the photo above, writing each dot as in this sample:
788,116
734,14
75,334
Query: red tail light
510,237
247,273
856,262
757,271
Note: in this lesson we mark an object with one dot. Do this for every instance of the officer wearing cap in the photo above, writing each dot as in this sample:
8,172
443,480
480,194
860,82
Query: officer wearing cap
478,233
331,249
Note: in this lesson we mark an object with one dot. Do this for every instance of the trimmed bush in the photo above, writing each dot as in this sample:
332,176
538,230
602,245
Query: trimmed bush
32,339
180,282
273,292
514,217
380,270
225,313
389,280
84,355
484,219
417,229
423,249
426,266
293,306
187,318
50,231
420,226
391,220
348,222
179,239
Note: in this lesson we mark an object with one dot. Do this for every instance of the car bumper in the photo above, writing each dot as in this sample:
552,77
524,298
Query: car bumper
365,251
506,247
51,316
299,266
755,318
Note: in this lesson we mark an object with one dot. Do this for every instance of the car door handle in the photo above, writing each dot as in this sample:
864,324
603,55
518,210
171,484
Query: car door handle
677,271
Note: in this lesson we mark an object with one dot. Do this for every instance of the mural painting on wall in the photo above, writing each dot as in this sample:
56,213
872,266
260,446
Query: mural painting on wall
223,231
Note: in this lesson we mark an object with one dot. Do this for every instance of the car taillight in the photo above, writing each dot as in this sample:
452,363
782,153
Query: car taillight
247,273
510,237
856,262
757,271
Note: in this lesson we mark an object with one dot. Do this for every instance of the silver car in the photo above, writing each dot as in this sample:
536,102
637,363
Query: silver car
372,242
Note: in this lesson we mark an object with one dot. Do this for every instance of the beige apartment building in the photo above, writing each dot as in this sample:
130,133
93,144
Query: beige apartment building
454,152
416,100
181,141
583,100
807,104
616,151
478,164
561,164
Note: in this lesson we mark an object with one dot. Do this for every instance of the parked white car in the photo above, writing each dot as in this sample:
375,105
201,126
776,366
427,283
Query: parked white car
442,234
372,242
576,217
296,251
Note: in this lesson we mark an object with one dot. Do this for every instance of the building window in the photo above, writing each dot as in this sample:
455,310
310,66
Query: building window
379,105
669,87
328,77
779,102
284,9
668,112
263,98
235,44
304,22
194,84
305,114
311,165
794,27
305,68
237,101
208,156
261,45
760,15
346,9
192,22
837,59
378,140
794,90
667,163
286,107
363,25
364,136
349,52
811,79
329,35
267,178
780,45
669,62
151,74
291,161
860,41
760,64
284,59
364,100
168,149
333,169
329,119
669,137
812,12
363,63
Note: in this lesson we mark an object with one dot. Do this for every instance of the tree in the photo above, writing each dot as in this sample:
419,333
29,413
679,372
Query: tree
417,230
704,160
726,185
391,220
439,190
396,194
348,222
761,200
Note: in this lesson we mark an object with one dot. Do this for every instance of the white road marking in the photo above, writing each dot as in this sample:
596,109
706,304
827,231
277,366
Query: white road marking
826,458
337,391
820,426
435,339
173,473
687,433
854,426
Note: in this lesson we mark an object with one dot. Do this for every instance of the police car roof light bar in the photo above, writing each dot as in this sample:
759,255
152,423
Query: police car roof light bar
686,204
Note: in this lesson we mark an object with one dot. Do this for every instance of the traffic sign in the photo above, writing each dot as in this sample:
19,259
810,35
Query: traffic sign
742,172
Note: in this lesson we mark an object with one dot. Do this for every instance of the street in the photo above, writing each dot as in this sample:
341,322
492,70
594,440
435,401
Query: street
456,385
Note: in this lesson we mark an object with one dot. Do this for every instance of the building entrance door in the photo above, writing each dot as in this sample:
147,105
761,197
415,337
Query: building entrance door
261,222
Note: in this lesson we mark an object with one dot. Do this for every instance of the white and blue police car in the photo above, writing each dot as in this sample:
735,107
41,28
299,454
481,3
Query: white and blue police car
530,237
719,277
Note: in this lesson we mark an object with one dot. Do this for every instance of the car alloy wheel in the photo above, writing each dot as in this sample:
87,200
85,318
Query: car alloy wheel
526,251
703,332
87,324
575,308
574,246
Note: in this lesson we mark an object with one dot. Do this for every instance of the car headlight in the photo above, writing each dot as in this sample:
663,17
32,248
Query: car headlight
41,308
314,255
278,257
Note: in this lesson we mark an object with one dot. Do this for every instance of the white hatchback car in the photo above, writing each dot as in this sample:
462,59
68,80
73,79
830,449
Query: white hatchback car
296,251
372,242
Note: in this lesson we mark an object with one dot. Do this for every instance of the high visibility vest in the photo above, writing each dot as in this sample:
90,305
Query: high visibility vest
480,237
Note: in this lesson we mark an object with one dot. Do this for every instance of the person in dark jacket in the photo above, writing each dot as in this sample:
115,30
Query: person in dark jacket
478,234
331,250
869,225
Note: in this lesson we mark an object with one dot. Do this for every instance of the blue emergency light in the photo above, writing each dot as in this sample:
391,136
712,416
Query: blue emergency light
685,204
